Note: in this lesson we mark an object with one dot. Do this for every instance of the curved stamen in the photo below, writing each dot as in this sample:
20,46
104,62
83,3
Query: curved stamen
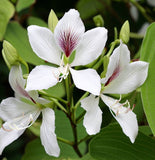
17,124
119,108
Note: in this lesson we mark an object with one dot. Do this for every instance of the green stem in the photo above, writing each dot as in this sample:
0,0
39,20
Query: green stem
78,102
142,10
115,33
46,94
80,117
67,84
59,105
113,44
75,145
56,102
100,62
136,36
84,139
65,141
25,64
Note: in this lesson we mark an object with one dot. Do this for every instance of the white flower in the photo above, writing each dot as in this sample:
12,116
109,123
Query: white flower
122,77
69,38
21,112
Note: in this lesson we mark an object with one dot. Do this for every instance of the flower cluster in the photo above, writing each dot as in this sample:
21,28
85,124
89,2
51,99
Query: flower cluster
67,47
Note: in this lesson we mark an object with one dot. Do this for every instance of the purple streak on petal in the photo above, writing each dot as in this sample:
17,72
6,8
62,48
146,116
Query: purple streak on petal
68,41
114,75
23,92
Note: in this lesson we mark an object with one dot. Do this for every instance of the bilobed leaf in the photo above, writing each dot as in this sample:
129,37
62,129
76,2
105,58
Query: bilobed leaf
23,4
17,36
6,12
112,144
148,89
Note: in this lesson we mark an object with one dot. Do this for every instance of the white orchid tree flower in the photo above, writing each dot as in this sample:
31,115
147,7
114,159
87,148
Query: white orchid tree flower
69,41
21,112
122,77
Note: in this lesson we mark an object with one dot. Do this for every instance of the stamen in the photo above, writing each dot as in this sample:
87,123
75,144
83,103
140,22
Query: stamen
118,108
62,73
20,125
7,130
134,105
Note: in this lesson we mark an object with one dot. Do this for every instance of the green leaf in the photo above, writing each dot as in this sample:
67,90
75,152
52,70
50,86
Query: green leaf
58,90
64,130
52,20
145,130
87,157
112,144
35,128
36,21
6,12
148,89
23,4
89,8
35,151
17,36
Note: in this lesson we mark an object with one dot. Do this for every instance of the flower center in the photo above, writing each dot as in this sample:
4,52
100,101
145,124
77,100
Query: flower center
62,72
68,42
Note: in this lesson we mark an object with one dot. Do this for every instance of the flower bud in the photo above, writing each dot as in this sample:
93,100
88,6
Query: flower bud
10,54
98,20
52,20
125,32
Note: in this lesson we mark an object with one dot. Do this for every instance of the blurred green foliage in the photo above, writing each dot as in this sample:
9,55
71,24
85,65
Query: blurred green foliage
17,15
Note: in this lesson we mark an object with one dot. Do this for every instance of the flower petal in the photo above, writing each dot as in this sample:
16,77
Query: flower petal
16,78
43,44
134,12
47,133
129,79
93,117
42,77
151,3
127,119
87,80
69,31
11,108
91,46
142,30
118,60
8,137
